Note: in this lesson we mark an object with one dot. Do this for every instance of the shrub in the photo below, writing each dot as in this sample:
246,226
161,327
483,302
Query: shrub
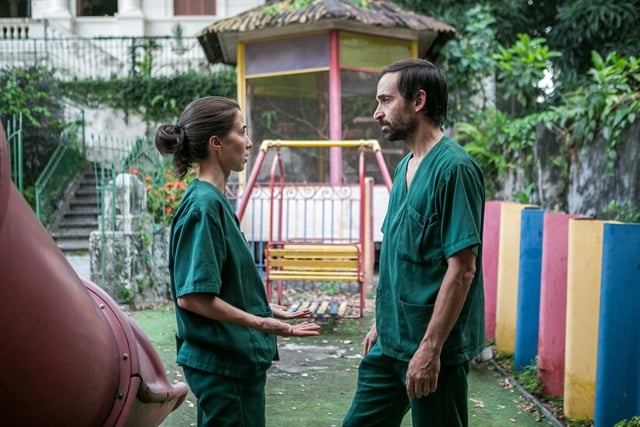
164,191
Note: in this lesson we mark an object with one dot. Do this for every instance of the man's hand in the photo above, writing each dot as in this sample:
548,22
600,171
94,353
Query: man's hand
370,339
283,329
422,373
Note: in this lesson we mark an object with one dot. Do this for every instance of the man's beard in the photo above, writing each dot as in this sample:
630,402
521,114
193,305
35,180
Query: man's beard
400,130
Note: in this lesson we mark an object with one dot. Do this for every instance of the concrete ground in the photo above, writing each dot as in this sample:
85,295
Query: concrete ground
81,265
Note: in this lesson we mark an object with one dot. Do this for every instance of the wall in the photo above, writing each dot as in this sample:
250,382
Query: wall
576,179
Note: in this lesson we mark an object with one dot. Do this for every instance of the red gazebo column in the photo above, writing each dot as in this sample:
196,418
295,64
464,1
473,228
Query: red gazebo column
335,108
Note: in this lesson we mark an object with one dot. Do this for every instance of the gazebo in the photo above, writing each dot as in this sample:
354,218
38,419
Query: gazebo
307,68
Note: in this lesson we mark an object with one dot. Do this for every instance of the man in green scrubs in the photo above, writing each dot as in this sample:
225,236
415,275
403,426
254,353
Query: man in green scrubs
429,301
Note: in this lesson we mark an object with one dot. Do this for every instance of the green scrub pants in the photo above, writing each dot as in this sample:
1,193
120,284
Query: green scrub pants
226,401
381,398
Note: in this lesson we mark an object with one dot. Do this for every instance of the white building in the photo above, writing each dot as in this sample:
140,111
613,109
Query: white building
92,18
102,38
106,38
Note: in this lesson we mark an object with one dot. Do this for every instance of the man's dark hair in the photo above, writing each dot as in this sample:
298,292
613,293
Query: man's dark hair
415,74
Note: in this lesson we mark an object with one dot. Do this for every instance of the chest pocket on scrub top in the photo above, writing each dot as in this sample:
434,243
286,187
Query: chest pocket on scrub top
419,236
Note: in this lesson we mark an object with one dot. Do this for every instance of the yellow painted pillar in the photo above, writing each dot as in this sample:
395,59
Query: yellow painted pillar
508,266
584,267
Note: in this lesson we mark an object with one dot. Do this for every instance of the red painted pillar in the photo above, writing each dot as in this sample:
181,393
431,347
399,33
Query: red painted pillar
553,301
490,246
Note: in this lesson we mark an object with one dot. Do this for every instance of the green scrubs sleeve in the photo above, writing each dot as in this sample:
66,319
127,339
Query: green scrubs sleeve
462,203
199,257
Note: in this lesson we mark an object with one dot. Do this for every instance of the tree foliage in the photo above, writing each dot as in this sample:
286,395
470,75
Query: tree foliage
586,49
35,94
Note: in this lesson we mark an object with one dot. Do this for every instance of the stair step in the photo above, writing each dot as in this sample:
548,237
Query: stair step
72,233
81,214
73,246
89,199
87,191
84,207
78,221
80,208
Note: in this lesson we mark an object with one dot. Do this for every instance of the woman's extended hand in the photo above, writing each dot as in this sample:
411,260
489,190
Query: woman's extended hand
283,329
281,312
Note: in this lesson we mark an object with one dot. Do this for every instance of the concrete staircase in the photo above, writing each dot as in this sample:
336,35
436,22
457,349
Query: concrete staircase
77,216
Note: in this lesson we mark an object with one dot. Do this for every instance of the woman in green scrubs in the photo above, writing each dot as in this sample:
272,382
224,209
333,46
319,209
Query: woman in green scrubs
226,328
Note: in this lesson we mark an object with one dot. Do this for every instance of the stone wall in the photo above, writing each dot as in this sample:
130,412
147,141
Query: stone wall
577,180
128,254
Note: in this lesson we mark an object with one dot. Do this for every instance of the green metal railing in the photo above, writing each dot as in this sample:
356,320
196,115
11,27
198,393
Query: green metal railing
66,162
13,130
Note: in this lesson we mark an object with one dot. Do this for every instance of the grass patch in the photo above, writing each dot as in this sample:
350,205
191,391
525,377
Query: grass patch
313,383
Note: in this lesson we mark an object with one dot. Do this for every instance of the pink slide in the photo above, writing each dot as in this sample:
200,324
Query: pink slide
71,357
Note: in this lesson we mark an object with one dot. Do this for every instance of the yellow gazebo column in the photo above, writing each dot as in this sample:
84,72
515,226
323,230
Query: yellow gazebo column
508,267
584,268
241,86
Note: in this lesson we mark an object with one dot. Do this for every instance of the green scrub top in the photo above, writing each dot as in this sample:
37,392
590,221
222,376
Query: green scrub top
209,254
440,214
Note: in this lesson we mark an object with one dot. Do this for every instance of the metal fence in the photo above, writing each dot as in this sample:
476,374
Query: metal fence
105,57
13,130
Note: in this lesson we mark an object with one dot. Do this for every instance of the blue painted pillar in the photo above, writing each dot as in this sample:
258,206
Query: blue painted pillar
618,365
528,306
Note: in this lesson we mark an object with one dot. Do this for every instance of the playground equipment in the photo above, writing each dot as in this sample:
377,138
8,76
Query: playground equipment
329,257
71,356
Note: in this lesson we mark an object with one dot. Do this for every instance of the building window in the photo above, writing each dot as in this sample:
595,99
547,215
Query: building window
15,8
97,7
194,7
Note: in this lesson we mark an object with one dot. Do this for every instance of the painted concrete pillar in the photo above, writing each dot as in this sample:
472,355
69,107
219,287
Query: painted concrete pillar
584,268
528,307
490,245
618,365
507,287
553,302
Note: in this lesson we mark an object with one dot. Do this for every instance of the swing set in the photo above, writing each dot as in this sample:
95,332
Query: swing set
334,258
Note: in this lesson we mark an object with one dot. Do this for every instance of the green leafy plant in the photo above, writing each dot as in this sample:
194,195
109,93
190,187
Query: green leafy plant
468,64
525,195
608,104
521,69
633,422
155,99
164,192
623,212
37,95
27,91
330,288
529,379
